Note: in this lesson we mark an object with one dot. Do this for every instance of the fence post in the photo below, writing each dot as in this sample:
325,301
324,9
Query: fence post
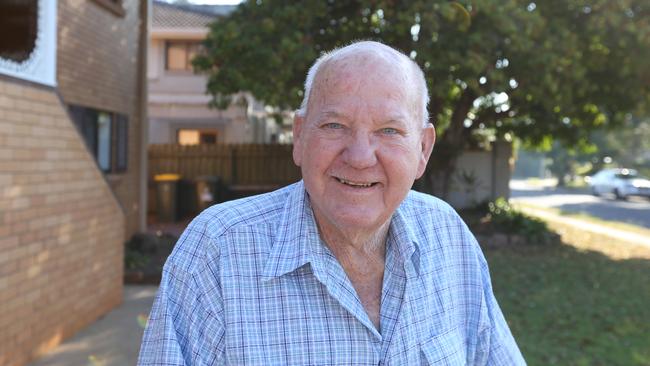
233,165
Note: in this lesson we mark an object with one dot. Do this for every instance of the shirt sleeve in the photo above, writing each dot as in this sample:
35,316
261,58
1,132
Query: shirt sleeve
500,346
181,329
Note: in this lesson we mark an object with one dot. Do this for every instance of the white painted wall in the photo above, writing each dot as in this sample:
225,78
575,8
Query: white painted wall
492,170
178,99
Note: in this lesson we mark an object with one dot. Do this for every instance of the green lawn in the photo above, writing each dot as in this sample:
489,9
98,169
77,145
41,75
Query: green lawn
582,302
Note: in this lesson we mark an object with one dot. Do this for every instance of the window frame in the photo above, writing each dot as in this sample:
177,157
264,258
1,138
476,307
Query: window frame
121,144
86,120
187,47
201,132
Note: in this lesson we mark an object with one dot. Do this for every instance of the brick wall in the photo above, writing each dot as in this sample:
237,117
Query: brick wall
97,66
62,222
61,227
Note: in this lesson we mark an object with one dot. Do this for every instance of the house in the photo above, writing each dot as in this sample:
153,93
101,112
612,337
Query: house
72,174
177,100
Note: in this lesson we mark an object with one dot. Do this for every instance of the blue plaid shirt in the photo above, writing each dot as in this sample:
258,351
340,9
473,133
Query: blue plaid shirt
251,283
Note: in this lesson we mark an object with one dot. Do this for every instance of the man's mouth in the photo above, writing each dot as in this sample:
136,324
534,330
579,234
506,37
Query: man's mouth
356,184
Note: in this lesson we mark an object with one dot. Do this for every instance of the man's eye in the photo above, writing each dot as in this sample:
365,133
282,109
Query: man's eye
389,131
333,125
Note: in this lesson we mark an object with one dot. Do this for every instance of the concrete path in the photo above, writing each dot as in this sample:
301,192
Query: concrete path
113,340
588,226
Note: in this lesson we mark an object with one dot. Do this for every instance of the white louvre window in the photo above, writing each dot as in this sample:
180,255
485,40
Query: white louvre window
104,141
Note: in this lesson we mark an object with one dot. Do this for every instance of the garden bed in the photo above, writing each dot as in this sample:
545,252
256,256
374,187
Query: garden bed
145,255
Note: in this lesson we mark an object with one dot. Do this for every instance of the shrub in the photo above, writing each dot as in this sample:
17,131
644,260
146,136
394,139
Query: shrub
504,218
134,259
145,250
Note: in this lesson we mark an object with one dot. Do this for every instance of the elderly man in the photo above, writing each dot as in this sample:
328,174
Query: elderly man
348,266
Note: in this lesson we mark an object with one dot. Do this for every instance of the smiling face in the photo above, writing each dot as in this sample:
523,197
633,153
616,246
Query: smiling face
360,145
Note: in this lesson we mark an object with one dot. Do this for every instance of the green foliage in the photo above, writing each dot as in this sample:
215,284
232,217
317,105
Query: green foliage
504,218
134,259
470,183
552,68
627,146
541,71
145,251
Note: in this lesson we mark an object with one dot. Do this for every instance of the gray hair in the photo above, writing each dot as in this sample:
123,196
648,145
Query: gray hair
408,66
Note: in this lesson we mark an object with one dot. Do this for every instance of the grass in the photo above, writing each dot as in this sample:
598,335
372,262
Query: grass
584,301
578,183
585,217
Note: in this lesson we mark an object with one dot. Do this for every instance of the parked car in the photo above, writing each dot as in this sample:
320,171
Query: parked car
622,183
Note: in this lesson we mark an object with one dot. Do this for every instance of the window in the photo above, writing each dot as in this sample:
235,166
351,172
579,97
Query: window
179,55
18,29
122,143
197,137
106,136
103,151
28,37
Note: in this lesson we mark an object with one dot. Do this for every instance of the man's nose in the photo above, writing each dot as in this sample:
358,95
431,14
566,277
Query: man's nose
360,151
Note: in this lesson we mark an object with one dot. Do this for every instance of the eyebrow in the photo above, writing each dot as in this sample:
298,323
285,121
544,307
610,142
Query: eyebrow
331,114
398,119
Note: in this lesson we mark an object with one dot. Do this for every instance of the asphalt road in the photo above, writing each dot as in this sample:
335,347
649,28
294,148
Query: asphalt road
636,210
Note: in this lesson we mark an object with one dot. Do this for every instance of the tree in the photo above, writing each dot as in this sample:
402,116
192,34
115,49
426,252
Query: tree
556,69
628,147
566,160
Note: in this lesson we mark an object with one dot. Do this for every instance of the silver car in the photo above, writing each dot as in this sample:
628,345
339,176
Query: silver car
622,183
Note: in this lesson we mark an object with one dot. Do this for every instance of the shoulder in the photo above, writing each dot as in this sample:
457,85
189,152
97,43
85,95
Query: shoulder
417,204
449,255
263,208
200,242
438,227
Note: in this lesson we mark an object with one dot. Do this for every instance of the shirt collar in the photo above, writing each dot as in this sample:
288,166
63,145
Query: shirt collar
297,241
403,238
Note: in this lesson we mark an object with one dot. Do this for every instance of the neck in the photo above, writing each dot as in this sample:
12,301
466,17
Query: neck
355,246
362,254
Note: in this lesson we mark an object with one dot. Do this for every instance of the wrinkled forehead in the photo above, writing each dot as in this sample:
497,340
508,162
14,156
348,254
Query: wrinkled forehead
366,68
369,65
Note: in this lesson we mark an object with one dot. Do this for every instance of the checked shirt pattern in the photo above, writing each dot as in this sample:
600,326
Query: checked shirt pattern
251,283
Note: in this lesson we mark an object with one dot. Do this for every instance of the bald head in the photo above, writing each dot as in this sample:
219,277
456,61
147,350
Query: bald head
384,61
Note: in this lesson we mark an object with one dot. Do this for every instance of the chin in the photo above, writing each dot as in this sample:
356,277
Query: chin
357,221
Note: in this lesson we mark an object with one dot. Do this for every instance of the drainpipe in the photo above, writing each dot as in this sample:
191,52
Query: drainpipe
145,19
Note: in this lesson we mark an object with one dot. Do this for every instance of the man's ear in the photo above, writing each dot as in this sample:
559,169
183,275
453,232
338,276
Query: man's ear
297,138
428,139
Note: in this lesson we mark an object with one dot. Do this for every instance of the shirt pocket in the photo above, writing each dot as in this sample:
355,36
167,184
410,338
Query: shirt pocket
447,348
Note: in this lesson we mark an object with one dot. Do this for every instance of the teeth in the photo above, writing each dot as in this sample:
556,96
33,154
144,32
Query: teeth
354,184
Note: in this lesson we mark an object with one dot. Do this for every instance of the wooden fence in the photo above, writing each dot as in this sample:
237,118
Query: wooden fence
235,165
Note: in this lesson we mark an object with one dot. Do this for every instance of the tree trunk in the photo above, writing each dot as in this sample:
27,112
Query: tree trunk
448,148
